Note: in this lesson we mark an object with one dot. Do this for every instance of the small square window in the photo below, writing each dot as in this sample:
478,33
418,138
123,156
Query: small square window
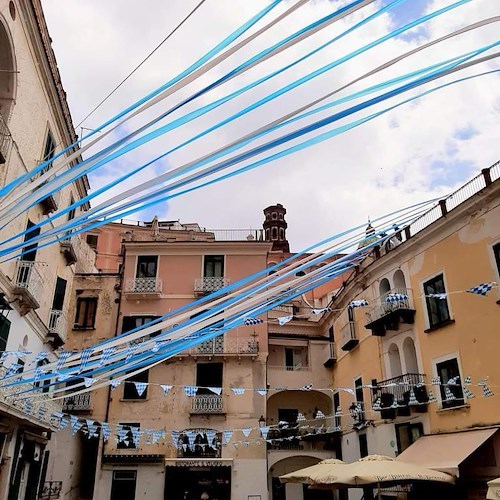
129,387
128,441
496,253
92,240
86,309
437,307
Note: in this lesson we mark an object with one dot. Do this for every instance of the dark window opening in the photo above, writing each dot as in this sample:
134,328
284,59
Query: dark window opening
86,309
45,384
208,375
407,434
358,390
282,233
72,212
274,233
92,240
4,332
451,395
213,266
29,251
288,415
336,406
274,215
129,388
331,334
132,322
59,293
147,266
496,253
128,439
437,308
363,445
48,152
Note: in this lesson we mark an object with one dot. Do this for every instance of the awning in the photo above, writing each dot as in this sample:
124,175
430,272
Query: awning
445,452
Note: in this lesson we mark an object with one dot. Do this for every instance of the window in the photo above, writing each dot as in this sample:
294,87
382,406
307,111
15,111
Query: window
49,151
267,235
437,308
59,293
123,485
288,415
86,308
30,250
358,389
72,212
407,434
336,405
363,445
147,266
282,233
213,266
496,253
129,388
274,215
295,358
331,334
208,375
274,233
43,383
4,332
451,395
133,322
128,440
92,240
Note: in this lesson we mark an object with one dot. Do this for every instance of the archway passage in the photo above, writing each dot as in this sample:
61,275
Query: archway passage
7,73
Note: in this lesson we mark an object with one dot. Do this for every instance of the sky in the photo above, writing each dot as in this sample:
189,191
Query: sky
422,150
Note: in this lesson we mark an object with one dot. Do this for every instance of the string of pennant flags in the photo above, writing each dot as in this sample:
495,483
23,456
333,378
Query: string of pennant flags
270,433
481,289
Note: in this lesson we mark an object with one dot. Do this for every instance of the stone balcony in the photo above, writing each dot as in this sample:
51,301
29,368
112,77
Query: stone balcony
143,288
348,336
57,327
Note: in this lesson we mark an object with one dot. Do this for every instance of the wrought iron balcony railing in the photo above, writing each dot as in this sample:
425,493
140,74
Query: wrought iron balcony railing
393,307
143,286
79,402
28,283
229,344
209,285
207,403
57,324
50,490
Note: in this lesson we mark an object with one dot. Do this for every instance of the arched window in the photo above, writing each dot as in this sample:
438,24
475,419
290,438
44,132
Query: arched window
7,75
399,280
282,233
410,355
267,235
395,361
274,215
384,287
274,233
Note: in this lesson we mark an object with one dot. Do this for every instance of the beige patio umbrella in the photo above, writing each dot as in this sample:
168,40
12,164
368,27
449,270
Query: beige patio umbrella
493,489
322,468
377,470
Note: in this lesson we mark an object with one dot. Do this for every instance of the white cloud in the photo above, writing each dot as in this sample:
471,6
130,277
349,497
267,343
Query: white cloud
411,154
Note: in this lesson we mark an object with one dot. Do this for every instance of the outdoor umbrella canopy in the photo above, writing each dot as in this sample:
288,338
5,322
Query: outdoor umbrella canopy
493,489
328,466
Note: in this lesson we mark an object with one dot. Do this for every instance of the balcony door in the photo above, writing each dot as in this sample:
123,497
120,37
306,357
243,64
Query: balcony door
30,250
213,266
147,266
59,293
208,375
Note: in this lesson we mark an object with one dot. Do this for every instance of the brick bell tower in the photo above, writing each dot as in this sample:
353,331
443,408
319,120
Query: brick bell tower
275,227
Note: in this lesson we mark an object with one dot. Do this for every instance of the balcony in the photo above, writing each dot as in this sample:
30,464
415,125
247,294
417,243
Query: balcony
77,403
50,203
50,490
204,286
143,288
230,344
5,140
348,337
394,307
393,397
331,357
68,248
207,404
57,327
28,285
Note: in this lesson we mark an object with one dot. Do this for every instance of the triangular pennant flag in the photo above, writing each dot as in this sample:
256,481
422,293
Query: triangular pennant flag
211,436
89,382
284,320
106,431
436,381
439,296
13,369
448,394
174,435
42,412
468,394
86,353
413,399
3,356
246,432
376,405
319,414
264,431
300,417
215,390
357,303
481,289
227,436
307,387
238,390
114,383
320,311
62,377
261,391
347,389
159,344
432,398
140,387
191,435
190,390
468,380
107,352
166,388
487,392
39,371
28,406
76,424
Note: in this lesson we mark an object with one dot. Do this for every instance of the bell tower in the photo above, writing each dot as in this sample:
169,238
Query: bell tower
275,227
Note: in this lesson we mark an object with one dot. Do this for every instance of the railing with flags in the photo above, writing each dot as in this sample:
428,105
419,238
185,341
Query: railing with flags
396,298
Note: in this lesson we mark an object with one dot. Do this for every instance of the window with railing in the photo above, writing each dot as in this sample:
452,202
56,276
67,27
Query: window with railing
437,302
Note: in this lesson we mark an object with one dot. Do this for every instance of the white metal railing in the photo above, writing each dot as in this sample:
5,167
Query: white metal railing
79,402
209,403
41,407
208,285
28,278
294,368
143,285
396,298
57,323
347,333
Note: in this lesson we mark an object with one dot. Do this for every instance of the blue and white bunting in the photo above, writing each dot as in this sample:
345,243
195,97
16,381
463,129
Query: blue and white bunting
190,390
86,353
284,320
252,321
227,436
215,390
114,383
246,432
357,303
63,356
89,382
481,289
140,387
264,431
166,388
107,352
261,391
238,390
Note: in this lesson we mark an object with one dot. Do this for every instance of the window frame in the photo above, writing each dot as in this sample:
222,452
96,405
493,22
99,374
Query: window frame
93,236
130,392
213,261
138,263
122,445
79,300
441,321
5,324
458,402
495,248
408,426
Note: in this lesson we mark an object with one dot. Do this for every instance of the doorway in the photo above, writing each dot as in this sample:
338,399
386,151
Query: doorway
190,483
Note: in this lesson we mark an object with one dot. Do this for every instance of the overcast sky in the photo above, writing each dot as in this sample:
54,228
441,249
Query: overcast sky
418,151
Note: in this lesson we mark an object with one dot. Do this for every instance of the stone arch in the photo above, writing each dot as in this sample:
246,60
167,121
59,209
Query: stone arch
399,279
7,75
395,361
384,286
410,355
